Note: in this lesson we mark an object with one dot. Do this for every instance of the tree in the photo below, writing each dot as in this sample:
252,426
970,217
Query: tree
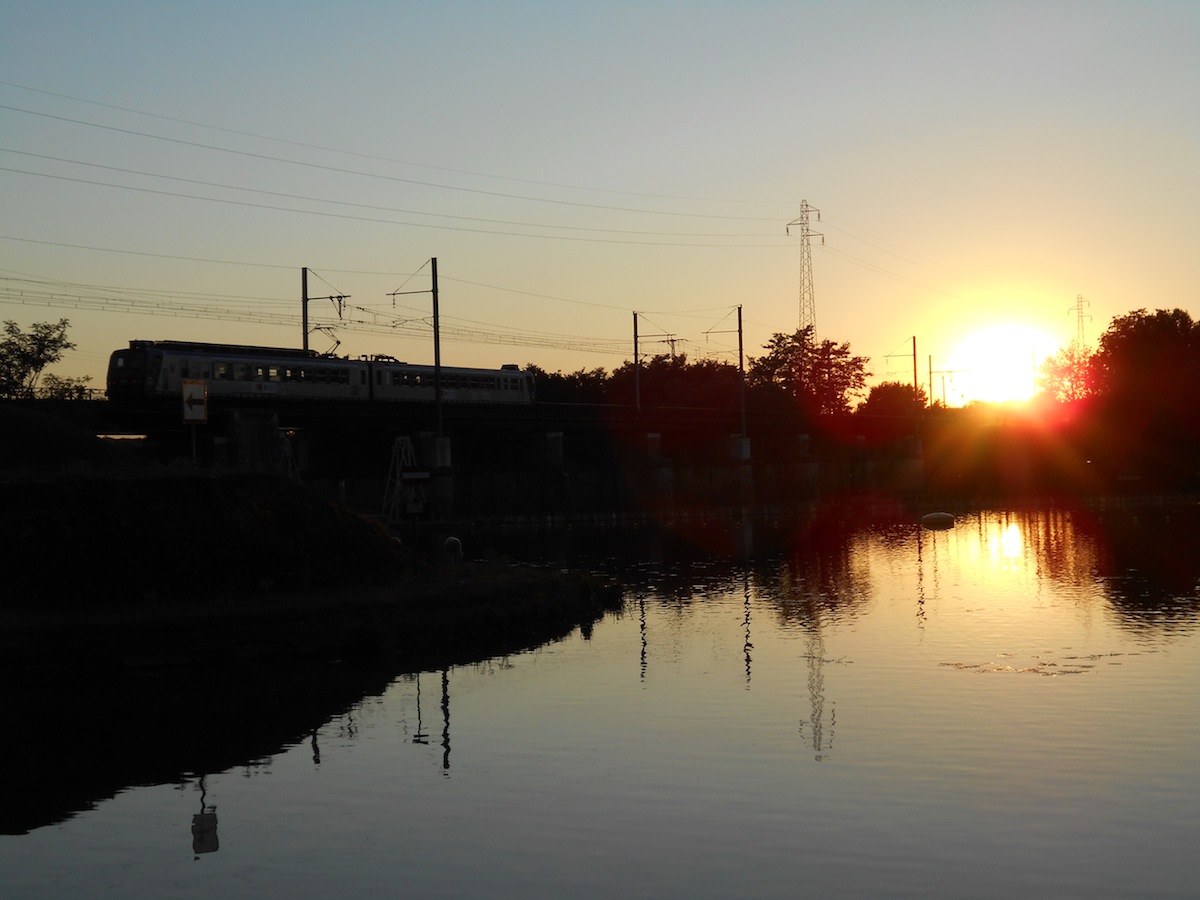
1147,386
1149,359
581,386
668,380
823,378
893,399
24,355
56,388
1067,375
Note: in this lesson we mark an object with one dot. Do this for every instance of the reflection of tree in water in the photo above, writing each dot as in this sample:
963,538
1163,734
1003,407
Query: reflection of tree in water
825,577
1064,542
1150,568
1142,558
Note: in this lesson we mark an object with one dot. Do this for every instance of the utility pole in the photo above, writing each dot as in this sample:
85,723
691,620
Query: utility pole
943,373
437,351
741,372
637,367
437,341
808,303
667,338
304,298
916,383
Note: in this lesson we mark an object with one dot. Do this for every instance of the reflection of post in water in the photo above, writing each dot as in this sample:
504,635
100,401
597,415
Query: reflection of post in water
204,824
316,749
445,720
920,577
420,737
747,646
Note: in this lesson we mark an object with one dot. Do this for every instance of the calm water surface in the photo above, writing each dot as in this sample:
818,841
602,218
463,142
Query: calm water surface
1004,709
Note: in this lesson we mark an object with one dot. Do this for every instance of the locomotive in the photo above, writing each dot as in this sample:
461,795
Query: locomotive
156,370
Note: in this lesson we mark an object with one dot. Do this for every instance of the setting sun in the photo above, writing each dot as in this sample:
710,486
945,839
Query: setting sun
997,364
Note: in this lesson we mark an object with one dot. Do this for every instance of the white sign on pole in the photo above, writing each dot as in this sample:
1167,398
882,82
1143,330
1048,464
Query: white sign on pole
195,402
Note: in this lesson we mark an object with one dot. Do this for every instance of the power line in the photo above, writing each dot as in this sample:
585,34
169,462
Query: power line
361,174
309,146
347,203
346,216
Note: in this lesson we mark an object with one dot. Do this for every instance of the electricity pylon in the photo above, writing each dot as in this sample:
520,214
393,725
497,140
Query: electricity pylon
1078,308
808,303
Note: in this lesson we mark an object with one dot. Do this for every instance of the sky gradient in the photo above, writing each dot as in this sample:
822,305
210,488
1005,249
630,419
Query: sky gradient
167,169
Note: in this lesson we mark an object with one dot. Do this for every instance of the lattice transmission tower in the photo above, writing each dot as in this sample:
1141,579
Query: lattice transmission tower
808,302
1078,309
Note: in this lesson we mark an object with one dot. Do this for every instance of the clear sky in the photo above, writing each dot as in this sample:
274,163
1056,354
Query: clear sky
167,168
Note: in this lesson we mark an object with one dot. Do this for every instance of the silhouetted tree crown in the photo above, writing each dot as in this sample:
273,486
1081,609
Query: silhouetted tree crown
822,378
1067,376
1150,359
25,354
892,399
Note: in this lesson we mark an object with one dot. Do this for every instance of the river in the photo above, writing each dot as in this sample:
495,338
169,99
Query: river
1005,708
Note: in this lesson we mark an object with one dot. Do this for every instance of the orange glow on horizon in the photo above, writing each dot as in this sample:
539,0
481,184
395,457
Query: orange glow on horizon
996,364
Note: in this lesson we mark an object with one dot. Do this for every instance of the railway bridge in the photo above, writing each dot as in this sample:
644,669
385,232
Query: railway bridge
537,462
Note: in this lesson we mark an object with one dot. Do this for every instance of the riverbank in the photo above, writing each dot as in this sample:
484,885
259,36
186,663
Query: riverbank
115,564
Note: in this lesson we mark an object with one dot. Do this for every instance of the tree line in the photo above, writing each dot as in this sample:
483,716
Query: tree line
796,372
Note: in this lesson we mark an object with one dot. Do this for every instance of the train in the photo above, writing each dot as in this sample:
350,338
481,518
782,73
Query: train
150,371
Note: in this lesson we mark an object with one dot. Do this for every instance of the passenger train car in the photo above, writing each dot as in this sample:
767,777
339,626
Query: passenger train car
156,370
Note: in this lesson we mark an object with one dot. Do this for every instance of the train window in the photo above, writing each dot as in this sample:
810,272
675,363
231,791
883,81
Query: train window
241,371
273,373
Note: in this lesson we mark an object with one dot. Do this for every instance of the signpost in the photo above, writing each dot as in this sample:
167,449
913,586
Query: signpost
195,402
195,406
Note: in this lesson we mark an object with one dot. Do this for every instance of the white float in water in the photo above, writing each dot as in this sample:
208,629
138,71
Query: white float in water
938,521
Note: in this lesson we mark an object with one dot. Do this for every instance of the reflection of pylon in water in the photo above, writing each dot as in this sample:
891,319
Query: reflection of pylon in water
816,691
